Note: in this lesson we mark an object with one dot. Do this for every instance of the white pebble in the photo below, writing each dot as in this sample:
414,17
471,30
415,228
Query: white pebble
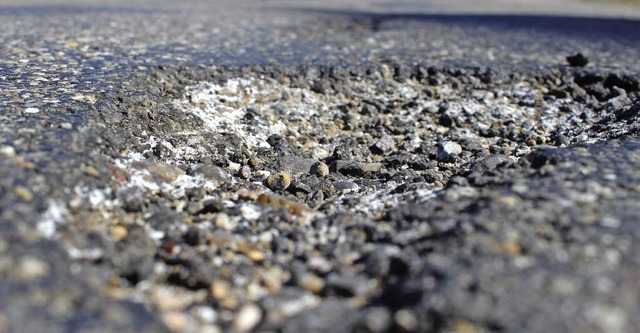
31,268
247,318
8,151
262,174
205,314
406,320
233,166
447,149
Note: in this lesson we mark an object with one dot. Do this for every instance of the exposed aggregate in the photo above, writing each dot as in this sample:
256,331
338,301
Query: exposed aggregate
240,222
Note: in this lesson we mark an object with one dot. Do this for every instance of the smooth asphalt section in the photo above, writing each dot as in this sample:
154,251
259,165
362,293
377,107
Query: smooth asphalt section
477,7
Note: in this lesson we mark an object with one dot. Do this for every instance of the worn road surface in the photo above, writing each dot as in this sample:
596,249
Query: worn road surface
319,166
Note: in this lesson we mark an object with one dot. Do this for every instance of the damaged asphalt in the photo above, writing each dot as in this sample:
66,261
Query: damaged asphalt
261,167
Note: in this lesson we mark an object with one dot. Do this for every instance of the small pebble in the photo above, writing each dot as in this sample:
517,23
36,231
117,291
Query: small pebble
255,162
245,172
176,321
220,289
8,151
162,171
31,110
312,283
371,167
23,193
406,320
255,255
247,318
356,169
255,291
90,99
250,212
268,199
230,302
377,319
205,314
118,232
91,171
577,60
223,221
31,268
280,181
320,169
385,145
233,166
210,172
464,326
320,265
262,174
344,187
448,149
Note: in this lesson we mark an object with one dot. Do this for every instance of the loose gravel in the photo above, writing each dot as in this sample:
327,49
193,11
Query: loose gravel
297,198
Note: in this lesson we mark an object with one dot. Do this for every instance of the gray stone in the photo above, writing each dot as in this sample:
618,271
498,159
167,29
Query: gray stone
490,162
245,172
352,168
210,172
295,165
319,169
384,146
448,149
343,187
161,171
377,319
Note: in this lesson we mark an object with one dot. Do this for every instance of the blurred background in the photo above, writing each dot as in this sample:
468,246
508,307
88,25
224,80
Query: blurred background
591,8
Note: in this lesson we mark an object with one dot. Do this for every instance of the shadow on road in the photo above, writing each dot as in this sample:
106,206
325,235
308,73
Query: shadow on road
626,30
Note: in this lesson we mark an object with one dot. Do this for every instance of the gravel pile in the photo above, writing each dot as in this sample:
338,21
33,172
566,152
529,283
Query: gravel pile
365,198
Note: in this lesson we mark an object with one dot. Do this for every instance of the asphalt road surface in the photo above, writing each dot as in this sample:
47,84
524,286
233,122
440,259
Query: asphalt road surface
335,166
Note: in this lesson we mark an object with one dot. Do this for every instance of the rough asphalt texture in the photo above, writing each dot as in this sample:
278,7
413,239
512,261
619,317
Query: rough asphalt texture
207,167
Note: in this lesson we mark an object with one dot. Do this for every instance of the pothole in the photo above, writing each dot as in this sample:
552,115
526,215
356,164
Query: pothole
279,183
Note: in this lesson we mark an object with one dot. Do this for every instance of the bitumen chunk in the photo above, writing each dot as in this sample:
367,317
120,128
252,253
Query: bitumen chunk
577,60
354,168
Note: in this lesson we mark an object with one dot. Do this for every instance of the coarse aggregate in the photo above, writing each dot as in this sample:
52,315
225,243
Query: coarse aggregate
212,167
